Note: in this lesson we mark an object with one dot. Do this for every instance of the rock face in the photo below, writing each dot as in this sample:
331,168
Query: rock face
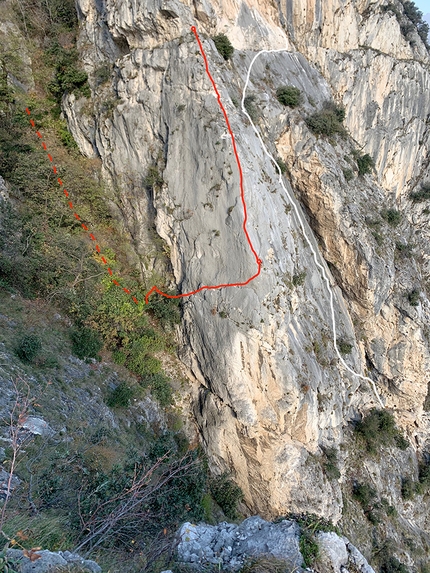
230,546
270,388
52,560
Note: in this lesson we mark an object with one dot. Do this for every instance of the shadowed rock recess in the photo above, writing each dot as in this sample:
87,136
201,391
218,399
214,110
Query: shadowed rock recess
270,397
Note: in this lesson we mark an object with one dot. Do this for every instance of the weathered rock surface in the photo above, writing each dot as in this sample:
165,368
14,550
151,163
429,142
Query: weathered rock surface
269,389
230,546
52,560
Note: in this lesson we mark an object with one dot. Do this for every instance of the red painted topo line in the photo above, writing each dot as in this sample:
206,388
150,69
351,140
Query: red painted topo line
242,196
66,193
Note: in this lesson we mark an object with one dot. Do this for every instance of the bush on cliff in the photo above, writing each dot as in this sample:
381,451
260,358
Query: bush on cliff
328,121
223,45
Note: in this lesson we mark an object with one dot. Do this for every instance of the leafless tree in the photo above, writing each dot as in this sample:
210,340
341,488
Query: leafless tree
120,513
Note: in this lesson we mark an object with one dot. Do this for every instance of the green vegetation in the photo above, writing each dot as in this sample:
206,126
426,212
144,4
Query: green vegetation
68,77
365,494
282,165
224,46
404,250
28,347
102,74
249,104
390,510
384,557
365,163
289,96
120,397
153,178
379,429
328,121
227,494
414,297
393,565
348,174
310,524
408,488
330,464
86,343
423,194
308,548
416,17
344,347
299,279
392,216
160,387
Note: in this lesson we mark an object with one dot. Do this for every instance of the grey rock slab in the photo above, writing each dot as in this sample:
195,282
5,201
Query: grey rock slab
49,561
231,544
333,549
37,426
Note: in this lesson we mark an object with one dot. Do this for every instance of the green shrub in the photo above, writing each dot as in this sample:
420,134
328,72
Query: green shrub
102,74
28,347
348,174
327,121
160,387
308,548
120,397
393,565
408,488
414,297
392,216
424,474
227,494
365,494
423,194
86,343
401,442
223,45
282,165
389,509
119,357
330,465
249,104
365,163
344,347
68,78
416,17
391,8
299,279
404,249
153,178
378,428
65,136
167,310
289,96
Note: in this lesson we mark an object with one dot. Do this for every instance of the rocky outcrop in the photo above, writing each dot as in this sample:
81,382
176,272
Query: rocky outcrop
44,561
269,388
230,546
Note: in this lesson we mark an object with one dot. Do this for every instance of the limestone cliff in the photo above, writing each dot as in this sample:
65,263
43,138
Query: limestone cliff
268,389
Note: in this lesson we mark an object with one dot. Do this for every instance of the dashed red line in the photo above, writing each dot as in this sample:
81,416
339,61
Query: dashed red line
242,196
77,217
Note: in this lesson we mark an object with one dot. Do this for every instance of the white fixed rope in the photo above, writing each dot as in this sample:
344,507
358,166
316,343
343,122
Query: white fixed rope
314,253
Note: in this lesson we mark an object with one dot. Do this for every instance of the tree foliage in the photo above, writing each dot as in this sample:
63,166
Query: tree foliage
289,96
223,45
328,121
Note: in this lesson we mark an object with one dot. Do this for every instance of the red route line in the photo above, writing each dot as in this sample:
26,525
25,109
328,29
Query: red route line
242,196
66,193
